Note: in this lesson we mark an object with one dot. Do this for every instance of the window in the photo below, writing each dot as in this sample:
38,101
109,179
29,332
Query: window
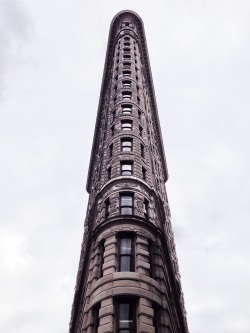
156,318
126,109
143,173
126,94
126,44
139,114
113,115
127,125
109,173
140,130
112,130
96,318
126,56
111,150
126,50
126,73
126,254
138,100
126,317
126,168
136,78
127,39
126,145
127,65
101,254
107,204
145,208
126,84
126,204
138,89
142,151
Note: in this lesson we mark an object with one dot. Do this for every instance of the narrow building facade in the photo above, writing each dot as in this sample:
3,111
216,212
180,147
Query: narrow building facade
128,278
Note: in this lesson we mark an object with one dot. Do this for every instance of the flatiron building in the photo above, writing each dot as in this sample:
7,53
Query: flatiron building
128,279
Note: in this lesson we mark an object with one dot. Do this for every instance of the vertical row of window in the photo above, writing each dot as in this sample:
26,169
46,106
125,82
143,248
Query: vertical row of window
126,166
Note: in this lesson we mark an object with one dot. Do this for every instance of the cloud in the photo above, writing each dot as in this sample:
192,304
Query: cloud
15,31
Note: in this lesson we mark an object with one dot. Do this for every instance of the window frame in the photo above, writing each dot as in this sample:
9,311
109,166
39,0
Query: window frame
126,172
111,148
107,206
127,95
144,173
122,206
123,140
126,73
131,255
126,128
126,109
132,302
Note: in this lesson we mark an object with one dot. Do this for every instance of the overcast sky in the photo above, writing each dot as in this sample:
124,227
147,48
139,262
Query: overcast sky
51,64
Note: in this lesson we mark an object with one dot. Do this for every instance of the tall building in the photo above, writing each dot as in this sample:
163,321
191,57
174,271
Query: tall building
128,279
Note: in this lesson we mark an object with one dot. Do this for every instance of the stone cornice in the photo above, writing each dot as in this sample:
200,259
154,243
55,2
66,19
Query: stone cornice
105,83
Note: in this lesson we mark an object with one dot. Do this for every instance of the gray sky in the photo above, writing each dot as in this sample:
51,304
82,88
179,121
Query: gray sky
51,64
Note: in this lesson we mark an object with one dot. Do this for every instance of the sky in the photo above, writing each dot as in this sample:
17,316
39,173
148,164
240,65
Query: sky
51,64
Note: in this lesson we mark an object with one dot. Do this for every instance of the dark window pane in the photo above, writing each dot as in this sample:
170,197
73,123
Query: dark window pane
126,200
126,211
126,246
126,318
125,264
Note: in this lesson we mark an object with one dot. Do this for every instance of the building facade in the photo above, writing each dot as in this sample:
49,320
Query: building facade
128,278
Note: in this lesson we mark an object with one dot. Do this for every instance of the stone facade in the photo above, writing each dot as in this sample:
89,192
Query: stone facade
128,278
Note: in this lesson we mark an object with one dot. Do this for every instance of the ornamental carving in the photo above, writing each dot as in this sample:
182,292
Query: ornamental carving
140,206
113,206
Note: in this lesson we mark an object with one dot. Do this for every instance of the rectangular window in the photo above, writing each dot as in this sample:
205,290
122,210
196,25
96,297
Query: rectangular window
126,50
142,151
112,130
139,114
127,65
143,173
127,57
140,130
126,145
126,254
127,125
126,84
126,204
126,44
113,115
107,204
126,168
126,73
109,173
96,318
126,109
126,316
138,100
101,254
127,39
111,150
127,94
146,208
